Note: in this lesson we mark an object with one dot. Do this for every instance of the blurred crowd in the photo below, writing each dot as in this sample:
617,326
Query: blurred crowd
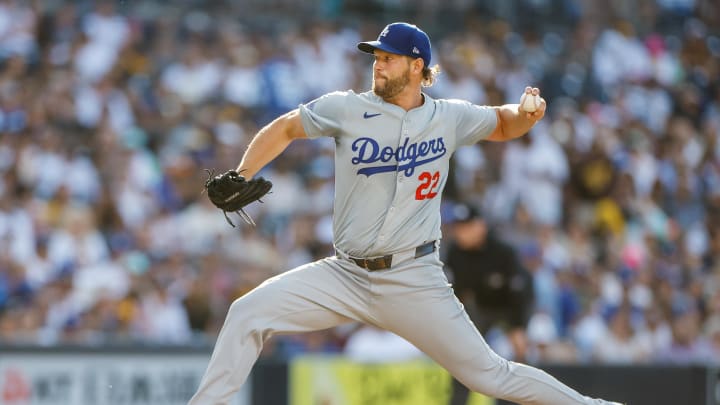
111,110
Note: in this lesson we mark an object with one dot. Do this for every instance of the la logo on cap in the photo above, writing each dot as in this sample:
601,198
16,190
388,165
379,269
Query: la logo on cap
415,50
385,32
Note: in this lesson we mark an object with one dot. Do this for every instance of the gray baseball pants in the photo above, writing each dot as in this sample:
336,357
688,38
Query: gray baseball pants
412,299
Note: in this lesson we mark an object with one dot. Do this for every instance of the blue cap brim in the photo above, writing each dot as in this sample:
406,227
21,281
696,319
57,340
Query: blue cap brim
371,46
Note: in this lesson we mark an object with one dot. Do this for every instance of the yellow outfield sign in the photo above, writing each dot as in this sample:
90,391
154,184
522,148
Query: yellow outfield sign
339,381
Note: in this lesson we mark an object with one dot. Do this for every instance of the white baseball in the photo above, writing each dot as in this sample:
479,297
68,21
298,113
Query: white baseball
530,102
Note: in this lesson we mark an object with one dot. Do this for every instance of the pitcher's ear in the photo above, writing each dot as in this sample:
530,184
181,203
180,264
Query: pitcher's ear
418,64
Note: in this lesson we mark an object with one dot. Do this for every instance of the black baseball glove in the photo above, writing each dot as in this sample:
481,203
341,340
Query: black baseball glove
230,192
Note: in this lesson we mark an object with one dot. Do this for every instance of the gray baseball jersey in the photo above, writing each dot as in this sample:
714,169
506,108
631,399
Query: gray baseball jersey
391,165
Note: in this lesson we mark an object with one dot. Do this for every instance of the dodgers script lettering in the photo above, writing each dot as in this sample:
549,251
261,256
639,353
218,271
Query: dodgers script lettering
405,157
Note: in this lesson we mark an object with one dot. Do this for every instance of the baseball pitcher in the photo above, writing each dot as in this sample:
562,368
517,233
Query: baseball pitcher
393,146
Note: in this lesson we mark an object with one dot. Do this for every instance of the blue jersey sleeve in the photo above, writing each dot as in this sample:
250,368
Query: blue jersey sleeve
324,115
474,122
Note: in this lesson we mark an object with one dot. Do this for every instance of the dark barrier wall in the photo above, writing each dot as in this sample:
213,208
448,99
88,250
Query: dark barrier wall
633,385
656,385
148,375
270,383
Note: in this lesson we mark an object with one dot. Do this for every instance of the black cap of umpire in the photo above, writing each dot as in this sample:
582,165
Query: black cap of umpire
464,212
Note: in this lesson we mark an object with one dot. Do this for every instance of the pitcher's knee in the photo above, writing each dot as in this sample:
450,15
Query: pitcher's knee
245,319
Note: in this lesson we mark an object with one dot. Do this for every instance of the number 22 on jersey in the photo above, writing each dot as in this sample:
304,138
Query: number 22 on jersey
428,185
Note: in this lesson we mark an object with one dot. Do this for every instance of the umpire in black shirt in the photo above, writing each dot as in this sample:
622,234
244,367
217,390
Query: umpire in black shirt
490,282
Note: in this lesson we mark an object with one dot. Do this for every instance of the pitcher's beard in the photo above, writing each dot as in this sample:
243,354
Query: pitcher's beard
392,87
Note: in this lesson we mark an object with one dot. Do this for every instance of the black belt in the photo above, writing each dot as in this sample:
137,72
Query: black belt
384,262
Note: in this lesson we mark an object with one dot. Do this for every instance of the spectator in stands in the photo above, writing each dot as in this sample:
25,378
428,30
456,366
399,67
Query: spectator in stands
622,345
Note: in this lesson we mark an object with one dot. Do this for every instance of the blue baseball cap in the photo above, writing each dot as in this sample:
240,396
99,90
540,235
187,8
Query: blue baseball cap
402,39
